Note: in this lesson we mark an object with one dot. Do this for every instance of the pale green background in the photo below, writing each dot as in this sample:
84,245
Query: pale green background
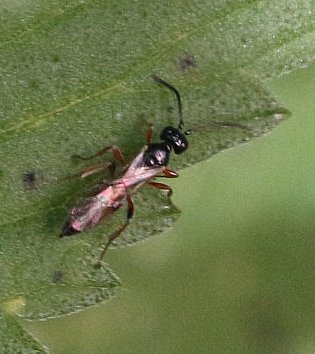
236,273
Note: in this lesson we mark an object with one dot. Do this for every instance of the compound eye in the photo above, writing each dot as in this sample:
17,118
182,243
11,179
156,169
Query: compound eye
176,138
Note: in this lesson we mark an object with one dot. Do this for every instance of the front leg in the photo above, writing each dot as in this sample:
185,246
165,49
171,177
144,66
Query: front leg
149,134
169,173
163,187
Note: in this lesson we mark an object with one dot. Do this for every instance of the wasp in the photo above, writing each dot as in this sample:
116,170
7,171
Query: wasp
151,162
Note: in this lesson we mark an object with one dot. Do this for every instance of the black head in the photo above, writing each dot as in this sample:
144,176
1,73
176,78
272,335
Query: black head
175,138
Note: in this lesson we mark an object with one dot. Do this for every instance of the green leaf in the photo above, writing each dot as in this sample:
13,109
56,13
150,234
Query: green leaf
14,339
75,77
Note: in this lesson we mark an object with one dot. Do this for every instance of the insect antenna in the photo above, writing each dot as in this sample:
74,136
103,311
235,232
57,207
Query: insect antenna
178,98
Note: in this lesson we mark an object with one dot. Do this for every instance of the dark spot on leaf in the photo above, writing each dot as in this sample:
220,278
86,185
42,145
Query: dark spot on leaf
58,277
34,84
55,58
32,179
170,109
98,265
29,179
187,61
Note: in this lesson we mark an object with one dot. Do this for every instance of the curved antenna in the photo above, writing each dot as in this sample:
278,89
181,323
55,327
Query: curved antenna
179,101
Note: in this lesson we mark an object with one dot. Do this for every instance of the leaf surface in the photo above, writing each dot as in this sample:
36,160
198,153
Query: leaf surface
76,77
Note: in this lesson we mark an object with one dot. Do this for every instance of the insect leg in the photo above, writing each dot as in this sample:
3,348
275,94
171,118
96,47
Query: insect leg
161,186
114,235
149,134
169,173
164,187
97,168
113,148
